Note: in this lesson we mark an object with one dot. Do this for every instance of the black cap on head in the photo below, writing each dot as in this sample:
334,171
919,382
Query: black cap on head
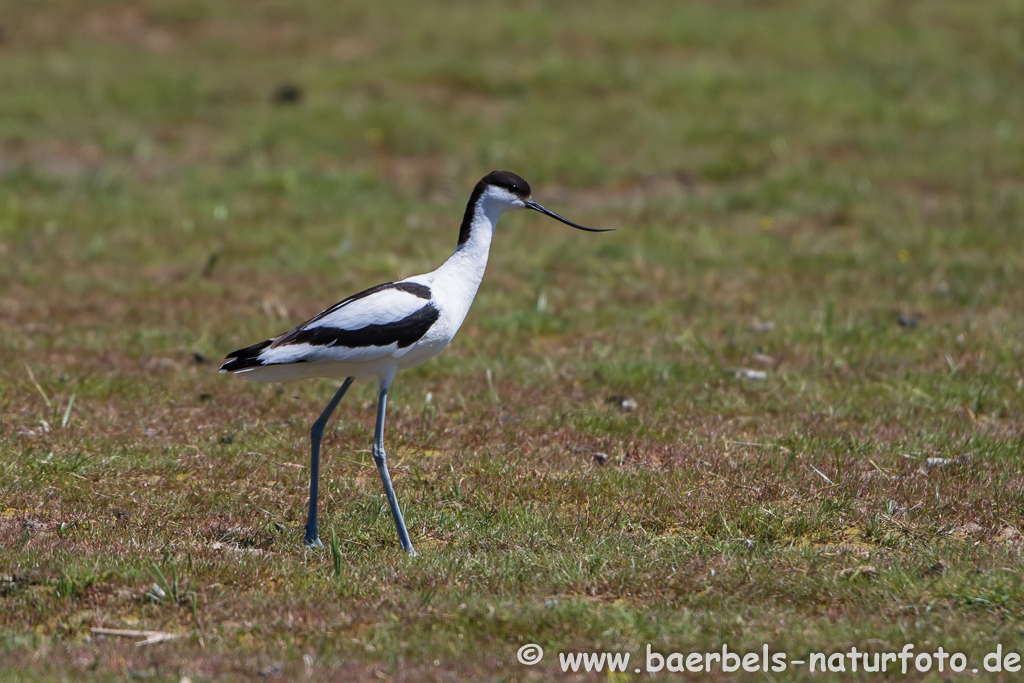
517,186
508,180
504,179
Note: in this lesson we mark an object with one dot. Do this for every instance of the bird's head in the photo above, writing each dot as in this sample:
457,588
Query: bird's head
511,192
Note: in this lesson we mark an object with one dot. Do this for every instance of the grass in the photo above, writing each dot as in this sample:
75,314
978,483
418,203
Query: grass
831,194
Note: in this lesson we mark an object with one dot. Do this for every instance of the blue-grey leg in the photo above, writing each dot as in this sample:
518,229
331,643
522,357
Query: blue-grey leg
316,434
380,457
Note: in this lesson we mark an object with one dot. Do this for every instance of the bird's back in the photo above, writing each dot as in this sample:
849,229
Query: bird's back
359,336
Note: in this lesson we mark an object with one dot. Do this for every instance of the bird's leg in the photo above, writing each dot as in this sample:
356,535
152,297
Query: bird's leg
380,457
316,434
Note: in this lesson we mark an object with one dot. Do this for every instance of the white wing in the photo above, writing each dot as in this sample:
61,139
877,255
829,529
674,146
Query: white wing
383,307
382,321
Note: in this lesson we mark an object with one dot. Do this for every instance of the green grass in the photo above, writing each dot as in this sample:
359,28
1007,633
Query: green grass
825,168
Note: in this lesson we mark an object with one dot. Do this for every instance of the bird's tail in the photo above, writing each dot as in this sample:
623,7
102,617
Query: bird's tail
249,357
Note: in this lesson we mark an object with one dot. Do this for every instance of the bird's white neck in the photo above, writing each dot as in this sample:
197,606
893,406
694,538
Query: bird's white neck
464,270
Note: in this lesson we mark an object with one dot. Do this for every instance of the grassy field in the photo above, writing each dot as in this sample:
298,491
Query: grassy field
831,194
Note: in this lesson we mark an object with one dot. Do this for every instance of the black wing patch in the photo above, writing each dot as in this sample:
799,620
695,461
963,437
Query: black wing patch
414,288
404,332
295,336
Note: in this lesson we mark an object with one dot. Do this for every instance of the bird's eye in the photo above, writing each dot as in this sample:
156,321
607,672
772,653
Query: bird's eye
515,188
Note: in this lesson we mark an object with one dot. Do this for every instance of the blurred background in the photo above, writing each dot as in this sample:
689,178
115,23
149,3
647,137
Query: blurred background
152,140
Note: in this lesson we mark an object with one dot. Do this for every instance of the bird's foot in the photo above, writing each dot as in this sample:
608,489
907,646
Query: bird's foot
314,542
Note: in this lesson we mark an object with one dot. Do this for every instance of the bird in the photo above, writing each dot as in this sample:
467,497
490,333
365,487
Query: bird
390,327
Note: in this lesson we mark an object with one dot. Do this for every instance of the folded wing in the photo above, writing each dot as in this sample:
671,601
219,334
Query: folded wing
374,323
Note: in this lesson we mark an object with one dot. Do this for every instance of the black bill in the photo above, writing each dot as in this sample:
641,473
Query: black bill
530,204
